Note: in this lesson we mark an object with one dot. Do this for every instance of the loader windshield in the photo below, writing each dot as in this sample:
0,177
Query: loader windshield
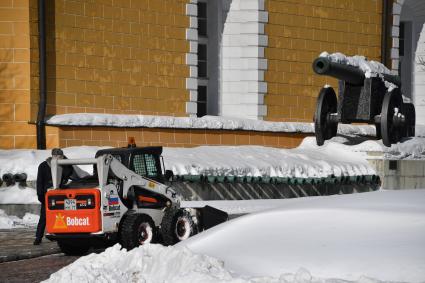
145,164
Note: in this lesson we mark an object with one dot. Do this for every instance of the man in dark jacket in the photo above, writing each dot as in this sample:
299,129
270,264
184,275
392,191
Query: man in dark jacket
44,181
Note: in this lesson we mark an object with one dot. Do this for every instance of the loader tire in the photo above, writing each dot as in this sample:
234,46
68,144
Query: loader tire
74,247
137,229
177,225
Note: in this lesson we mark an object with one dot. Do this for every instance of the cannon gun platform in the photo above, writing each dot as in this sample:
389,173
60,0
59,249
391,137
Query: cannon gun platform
361,99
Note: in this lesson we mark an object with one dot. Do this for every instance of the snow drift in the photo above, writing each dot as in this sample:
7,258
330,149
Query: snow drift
378,235
9,222
18,195
320,239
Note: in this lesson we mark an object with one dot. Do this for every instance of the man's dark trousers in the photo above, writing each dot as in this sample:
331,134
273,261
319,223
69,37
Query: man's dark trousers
41,223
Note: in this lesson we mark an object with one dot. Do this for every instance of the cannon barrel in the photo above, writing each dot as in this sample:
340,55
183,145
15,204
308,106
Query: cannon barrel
351,74
20,178
348,73
8,179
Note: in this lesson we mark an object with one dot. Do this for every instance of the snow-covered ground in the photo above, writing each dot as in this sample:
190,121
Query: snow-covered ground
10,221
369,237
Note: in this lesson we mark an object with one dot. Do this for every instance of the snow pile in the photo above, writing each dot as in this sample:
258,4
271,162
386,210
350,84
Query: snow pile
339,156
9,222
348,238
150,263
238,206
378,235
370,68
18,195
334,159
27,160
410,148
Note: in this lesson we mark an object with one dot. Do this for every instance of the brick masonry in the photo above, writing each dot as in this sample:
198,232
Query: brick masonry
113,57
15,132
298,31
134,57
103,136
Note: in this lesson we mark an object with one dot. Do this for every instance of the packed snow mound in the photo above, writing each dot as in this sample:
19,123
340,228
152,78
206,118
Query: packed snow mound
233,207
18,195
27,160
408,148
349,238
378,235
155,263
11,222
300,162
149,263
339,156
305,161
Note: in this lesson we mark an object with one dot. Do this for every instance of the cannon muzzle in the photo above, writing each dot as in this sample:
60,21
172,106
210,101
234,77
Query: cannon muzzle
348,73
8,179
351,74
21,179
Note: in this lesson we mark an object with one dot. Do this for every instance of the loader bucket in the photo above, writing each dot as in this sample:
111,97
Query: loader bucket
211,216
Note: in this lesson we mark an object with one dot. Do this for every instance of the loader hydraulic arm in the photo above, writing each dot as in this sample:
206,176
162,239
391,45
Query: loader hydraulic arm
131,179
108,164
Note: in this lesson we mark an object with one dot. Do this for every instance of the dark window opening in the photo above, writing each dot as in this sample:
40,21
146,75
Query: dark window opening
202,18
202,60
202,101
401,39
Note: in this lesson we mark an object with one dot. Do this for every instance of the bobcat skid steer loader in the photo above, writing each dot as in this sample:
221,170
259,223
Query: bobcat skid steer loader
123,201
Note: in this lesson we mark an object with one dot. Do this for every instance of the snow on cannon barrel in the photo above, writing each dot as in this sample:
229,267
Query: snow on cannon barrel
368,93
344,72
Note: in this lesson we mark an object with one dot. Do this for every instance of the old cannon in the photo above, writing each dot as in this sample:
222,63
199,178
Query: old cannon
361,99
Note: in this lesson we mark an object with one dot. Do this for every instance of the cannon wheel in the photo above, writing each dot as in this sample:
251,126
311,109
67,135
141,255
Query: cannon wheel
389,131
326,104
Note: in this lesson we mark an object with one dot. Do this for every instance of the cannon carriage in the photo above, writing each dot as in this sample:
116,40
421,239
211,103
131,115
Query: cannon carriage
361,99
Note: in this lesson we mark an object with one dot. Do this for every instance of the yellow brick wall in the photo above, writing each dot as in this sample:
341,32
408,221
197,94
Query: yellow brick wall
109,56
15,132
118,137
298,31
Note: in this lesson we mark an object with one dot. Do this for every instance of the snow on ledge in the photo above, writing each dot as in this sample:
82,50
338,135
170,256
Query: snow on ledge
206,122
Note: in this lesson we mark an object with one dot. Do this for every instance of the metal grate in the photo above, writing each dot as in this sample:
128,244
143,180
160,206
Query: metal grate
150,165
139,165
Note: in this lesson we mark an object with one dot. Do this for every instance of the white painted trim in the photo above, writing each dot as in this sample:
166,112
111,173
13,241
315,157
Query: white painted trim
191,83
243,62
193,47
191,59
192,34
193,95
191,107
191,10
193,22
193,71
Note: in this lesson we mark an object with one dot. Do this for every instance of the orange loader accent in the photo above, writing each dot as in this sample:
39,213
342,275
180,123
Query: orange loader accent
78,220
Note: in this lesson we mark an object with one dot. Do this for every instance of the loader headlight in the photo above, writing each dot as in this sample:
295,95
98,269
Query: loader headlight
89,202
53,202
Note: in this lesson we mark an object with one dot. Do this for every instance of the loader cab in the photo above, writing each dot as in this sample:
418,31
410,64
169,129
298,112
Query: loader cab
144,161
